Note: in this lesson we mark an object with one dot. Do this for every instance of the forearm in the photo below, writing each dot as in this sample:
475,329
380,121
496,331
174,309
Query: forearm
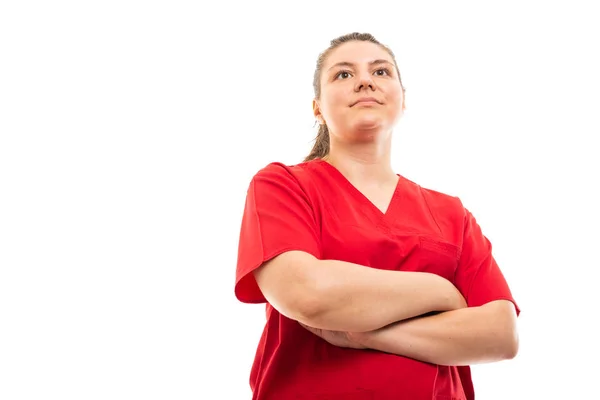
358,299
461,337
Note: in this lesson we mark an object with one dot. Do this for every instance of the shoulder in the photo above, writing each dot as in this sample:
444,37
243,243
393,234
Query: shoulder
285,173
443,205
442,199
433,195
278,179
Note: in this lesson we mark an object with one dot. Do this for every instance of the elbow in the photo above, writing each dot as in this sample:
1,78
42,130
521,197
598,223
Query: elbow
299,304
303,303
510,343
503,323
307,311
290,283
511,348
313,305
310,305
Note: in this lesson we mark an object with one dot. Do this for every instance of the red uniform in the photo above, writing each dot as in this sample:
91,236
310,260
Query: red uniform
312,207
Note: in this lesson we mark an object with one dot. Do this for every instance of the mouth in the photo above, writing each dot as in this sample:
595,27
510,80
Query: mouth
366,100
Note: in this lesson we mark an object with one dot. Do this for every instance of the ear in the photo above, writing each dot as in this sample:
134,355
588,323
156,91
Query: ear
403,101
317,111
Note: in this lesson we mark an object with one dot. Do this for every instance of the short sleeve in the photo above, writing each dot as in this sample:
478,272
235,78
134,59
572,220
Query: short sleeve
278,217
478,276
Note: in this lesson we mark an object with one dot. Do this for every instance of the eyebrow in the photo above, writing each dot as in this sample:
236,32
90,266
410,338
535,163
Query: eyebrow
349,64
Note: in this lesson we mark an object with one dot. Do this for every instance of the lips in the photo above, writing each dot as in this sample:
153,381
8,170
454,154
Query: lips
365,100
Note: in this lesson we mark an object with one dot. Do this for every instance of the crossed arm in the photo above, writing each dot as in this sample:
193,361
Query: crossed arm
384,310
466,336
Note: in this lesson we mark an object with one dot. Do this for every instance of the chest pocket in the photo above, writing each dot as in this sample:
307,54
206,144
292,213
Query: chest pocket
366,245
438,257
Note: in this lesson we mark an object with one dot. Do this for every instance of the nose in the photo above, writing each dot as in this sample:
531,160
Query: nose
365,81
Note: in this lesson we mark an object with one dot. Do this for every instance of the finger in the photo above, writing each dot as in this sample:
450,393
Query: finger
308,328
316,331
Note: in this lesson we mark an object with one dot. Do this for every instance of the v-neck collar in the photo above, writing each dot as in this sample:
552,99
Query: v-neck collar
360,197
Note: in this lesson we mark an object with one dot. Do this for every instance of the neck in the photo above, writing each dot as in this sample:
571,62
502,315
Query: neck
365,162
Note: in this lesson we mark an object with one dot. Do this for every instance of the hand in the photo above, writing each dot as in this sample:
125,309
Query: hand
337,338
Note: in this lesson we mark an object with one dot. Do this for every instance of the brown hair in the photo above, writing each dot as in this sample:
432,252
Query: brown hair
321,146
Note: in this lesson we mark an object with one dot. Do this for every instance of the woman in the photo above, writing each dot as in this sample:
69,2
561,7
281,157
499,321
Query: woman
376,288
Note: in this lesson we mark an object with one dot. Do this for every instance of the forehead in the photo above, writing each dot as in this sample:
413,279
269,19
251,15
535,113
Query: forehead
357,52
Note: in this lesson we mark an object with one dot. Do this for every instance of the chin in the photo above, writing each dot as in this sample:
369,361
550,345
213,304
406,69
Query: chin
368,124
368,131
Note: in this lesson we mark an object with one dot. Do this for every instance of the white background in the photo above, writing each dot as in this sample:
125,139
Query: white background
129,132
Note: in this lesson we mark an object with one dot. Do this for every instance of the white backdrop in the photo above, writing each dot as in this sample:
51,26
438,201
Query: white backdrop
129,132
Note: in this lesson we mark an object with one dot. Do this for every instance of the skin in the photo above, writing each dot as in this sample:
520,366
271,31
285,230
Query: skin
360,147
465,336
361,134
361,131
338,295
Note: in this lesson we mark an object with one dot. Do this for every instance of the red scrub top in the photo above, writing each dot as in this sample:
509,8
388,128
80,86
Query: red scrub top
312,207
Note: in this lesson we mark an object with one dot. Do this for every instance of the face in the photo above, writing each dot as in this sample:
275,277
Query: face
361,95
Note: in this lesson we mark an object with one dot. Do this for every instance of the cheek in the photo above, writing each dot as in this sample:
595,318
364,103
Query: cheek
395,100
334,103
395,95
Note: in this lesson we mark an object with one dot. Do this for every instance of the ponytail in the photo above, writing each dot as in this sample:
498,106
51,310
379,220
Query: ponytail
321,147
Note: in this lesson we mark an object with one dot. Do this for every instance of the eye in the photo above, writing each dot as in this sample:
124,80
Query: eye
384,70
342,75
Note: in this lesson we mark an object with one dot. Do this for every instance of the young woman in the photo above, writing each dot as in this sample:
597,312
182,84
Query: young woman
375,287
